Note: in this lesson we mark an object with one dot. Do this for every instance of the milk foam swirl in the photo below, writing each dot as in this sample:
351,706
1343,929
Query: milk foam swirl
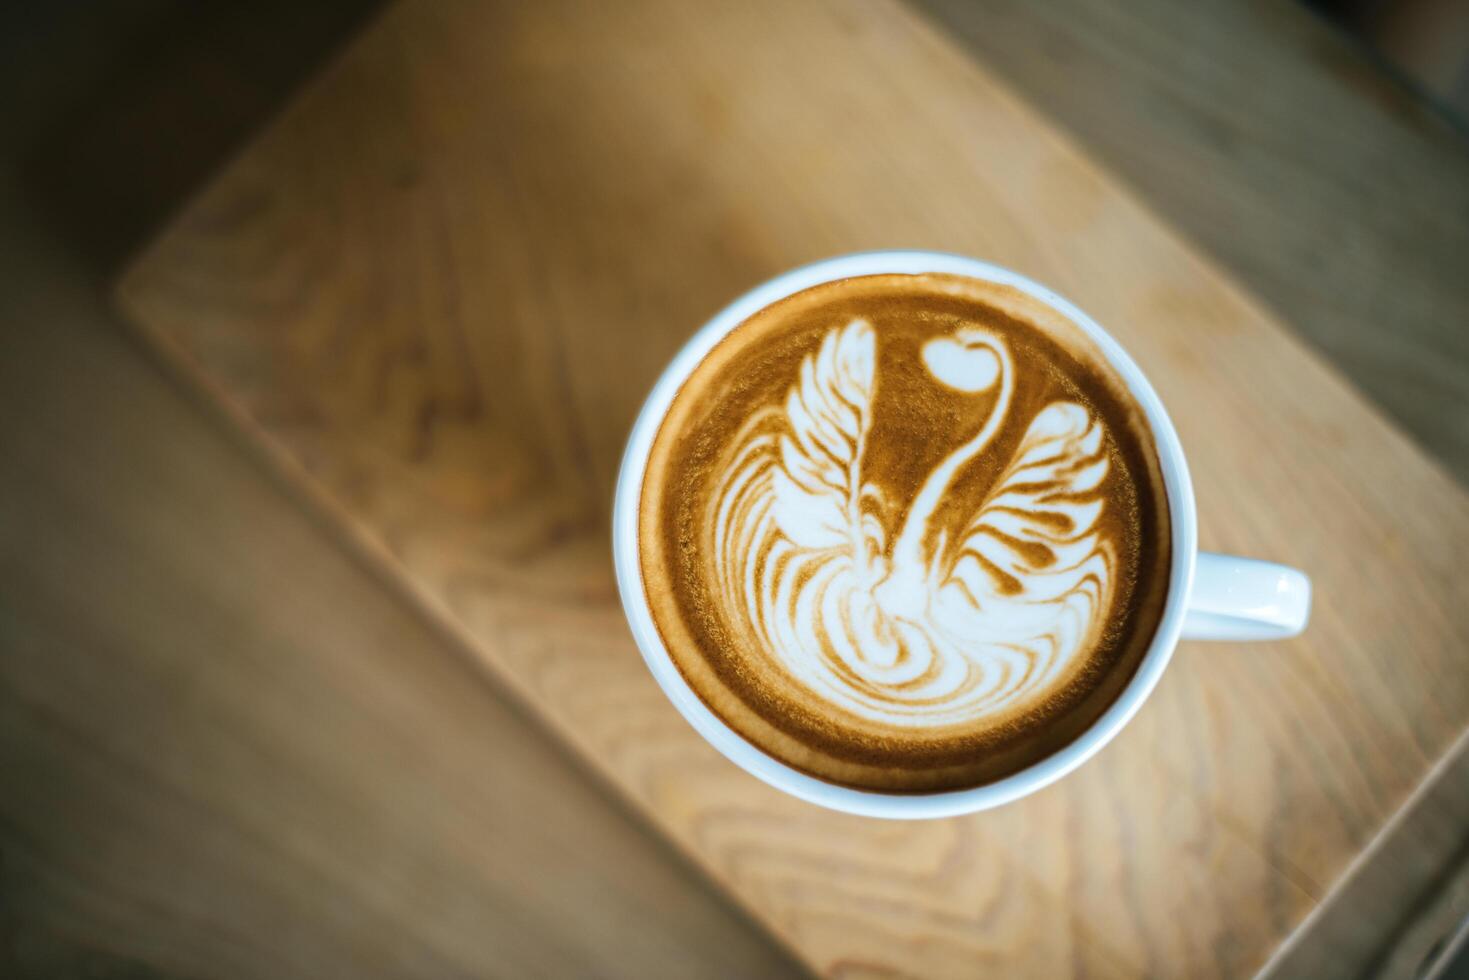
899,625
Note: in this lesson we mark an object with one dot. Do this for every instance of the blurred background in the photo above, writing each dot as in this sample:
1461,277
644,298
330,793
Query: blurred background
1421,41
155,820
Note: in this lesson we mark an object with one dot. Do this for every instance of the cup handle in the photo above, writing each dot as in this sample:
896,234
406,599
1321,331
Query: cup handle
1244,599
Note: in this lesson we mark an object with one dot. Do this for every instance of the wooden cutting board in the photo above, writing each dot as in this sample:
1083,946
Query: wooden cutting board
436,290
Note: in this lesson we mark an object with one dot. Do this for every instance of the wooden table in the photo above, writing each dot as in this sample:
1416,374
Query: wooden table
437,313
225,749
328,675
1290,155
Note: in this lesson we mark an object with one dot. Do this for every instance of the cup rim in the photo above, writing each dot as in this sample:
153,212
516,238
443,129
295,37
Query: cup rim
768,769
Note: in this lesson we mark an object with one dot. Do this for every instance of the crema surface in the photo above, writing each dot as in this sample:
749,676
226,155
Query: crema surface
905,533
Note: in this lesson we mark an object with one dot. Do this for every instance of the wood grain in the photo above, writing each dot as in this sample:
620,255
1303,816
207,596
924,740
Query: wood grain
225,749
437,289
1404,893
1337,196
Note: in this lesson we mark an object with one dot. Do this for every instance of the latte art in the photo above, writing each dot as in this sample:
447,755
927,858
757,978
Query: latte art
910,635
905,533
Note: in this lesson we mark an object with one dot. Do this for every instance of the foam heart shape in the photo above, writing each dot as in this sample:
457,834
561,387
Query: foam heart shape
964,367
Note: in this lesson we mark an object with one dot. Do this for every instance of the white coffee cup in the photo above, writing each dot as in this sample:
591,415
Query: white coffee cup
1210,597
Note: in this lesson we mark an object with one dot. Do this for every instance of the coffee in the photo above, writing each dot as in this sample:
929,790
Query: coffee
906,533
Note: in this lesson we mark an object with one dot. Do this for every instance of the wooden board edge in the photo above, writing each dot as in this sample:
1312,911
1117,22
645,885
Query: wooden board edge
1380,892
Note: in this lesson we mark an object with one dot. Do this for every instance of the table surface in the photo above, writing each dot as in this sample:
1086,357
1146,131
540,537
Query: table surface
1339,200
79,409
226,749
437,315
